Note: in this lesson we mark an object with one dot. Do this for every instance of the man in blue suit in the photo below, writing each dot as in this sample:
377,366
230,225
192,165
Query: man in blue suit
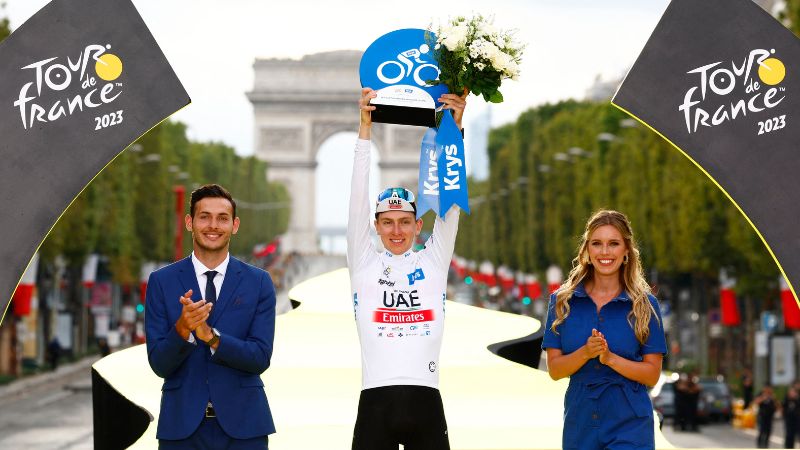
212,344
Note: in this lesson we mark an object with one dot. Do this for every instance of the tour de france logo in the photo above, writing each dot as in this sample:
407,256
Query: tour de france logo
63,86
726,91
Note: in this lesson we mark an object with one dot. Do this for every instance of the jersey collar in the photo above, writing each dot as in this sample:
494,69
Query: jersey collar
391,255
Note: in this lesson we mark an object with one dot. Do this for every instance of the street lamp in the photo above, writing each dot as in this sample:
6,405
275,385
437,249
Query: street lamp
579,152
151,158
606,137
561,157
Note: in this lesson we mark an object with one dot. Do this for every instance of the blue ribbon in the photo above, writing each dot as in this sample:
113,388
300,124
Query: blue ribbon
428,188
452,166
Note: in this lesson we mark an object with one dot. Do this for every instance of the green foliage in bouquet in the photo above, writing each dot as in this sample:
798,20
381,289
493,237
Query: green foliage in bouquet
475,56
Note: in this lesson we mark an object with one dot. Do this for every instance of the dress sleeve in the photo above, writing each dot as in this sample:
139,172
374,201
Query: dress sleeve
359,240
656,342
551,340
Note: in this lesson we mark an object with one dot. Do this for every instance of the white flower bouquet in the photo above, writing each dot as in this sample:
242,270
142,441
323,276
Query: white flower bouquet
475,56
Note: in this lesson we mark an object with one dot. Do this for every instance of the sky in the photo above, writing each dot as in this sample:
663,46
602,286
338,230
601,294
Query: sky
212,46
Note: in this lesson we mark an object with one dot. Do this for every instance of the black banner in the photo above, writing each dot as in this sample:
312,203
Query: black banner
79,82
719,80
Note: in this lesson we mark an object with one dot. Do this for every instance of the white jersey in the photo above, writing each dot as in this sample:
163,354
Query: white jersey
398,299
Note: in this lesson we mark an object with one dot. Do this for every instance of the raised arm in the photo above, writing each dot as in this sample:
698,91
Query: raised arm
359,242
443,239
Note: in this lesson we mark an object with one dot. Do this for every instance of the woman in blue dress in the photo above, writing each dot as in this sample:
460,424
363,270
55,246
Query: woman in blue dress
604,331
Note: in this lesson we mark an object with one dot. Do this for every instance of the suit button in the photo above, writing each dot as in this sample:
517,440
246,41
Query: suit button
597,366
595,416
601,319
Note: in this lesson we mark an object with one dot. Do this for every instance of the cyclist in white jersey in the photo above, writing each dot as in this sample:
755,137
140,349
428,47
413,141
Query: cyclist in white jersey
398,297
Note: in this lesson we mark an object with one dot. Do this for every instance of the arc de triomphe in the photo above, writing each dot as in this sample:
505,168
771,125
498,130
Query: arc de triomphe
298,104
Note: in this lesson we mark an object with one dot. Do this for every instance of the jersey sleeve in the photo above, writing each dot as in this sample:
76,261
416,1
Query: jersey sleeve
551,339
656,341
442,242
359,241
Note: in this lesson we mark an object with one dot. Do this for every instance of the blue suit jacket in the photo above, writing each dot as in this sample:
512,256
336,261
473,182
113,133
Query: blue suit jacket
244,315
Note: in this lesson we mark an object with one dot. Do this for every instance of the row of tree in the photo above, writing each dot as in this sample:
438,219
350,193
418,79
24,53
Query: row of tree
128,213
558,163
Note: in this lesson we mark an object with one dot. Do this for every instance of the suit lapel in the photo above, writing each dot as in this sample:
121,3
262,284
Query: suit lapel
188,278
229,286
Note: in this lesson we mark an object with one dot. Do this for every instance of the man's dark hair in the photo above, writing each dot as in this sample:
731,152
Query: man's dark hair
208,191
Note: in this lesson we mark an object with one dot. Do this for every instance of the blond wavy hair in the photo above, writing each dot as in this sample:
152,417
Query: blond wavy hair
631,276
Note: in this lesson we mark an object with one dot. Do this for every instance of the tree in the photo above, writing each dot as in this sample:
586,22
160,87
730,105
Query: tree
5,26
577,157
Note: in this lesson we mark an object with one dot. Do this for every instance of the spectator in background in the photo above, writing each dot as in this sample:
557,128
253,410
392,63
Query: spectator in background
681,389
105,350
767,406
687,397
747,387
692,401
791,415
54,352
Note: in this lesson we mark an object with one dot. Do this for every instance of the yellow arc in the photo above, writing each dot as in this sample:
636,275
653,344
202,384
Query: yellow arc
108,67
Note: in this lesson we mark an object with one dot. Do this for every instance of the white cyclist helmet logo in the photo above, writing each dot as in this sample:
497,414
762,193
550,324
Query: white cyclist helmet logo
406,66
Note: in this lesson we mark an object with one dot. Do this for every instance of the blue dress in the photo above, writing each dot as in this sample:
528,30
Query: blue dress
603,409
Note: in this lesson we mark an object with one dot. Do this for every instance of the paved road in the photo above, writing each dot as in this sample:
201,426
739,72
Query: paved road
721,436
54,411
49,412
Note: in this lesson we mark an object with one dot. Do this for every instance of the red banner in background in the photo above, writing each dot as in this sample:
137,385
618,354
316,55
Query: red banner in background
729,307
22,299
791,311
534,290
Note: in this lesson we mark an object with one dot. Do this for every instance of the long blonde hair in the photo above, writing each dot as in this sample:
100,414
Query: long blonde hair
631,275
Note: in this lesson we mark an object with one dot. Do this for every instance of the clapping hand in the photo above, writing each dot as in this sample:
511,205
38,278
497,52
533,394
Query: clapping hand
605,353
595,345
193,314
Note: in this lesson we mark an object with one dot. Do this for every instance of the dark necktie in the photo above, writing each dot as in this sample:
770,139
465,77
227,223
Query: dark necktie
211,290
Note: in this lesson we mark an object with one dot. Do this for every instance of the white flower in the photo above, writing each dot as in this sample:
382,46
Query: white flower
486,29
498,59
455,37
512,71
474,45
